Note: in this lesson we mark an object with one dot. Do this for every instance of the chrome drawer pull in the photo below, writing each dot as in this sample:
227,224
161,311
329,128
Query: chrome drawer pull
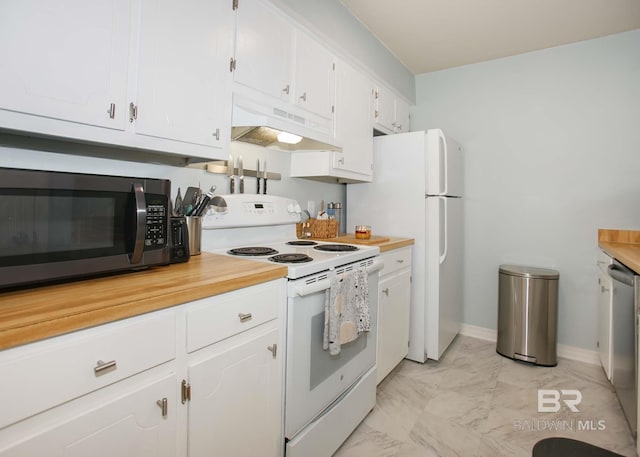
386,291
400,261
164,406
102,367
274,349
245,317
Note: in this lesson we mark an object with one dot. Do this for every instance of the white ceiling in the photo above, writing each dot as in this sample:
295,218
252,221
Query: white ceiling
430,35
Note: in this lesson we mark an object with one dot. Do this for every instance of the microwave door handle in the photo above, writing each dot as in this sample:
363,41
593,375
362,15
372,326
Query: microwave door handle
141,222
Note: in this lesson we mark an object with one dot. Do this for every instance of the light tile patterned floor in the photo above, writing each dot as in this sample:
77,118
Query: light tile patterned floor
476,403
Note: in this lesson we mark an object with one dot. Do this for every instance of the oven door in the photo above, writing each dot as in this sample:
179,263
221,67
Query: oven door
315,379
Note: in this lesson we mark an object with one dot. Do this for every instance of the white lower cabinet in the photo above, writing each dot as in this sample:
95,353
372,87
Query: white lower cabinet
133,388
394,301
605,302
235,400
132,424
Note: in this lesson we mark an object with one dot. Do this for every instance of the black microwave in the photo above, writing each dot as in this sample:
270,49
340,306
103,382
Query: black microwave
58,225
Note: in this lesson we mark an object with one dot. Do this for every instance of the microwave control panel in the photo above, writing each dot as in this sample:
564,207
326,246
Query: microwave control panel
156,235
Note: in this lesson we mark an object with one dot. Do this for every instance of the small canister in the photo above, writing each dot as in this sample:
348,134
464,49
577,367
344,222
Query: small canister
337,208
363,232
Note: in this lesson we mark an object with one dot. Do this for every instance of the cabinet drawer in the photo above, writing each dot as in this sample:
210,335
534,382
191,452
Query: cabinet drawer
216,318
396,260
51,372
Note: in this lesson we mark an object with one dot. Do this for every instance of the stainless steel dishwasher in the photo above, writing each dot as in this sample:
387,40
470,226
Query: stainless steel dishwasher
625,339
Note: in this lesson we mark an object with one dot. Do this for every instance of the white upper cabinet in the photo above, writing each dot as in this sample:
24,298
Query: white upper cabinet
138,74
315,81
264,47
390,113
282,75
66,60
184,82
353,124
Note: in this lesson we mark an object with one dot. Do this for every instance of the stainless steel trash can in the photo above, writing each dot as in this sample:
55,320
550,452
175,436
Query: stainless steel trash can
528,314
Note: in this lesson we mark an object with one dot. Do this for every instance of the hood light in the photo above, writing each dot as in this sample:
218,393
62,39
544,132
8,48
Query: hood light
289,138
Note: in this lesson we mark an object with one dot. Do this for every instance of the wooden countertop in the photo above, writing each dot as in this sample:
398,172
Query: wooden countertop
623,245
385,243
36,313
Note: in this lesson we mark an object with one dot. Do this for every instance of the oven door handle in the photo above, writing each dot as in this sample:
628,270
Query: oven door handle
324,284
308,289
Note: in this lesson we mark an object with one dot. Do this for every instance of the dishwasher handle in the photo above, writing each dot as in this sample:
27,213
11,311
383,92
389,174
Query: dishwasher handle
621,274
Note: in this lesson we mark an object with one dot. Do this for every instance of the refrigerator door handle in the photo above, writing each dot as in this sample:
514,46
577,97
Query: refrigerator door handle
445,175
444,221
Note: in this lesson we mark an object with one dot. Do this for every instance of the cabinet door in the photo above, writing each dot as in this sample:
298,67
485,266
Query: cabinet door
236,401
315,77
384,109
604,323
353,124
393,322
184,80
131,425
264,44
402,117
66,60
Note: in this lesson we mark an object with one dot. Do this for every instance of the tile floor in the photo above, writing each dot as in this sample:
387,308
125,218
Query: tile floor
476,403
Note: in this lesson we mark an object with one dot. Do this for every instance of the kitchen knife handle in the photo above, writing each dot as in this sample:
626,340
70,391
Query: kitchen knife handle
232,184
242,184
264,190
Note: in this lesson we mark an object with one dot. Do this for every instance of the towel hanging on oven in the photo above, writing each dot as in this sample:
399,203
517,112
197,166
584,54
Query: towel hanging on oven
346,309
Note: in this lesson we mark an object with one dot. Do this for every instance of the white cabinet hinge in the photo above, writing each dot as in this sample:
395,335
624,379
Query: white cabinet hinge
234,4
186,391
133,112
232,64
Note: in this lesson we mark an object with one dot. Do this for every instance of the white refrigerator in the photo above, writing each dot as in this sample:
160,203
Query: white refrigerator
417,192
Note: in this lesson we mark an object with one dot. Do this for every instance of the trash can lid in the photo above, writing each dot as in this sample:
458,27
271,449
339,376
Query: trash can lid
529,272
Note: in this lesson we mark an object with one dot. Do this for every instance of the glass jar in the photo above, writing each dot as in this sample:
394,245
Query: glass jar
363,232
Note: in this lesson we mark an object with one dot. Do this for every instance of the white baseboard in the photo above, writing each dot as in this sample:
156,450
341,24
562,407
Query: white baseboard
564,351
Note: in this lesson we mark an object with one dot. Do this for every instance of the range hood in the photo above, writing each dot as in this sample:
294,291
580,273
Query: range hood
263,125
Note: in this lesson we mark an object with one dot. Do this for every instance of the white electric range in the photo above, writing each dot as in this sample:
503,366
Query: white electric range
326,396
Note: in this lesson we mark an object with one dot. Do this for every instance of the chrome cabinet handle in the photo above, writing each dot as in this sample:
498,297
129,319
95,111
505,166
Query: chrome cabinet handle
604,289
245,317
274,349
386,291
303,97
103,367
112,111
217,134
400,261
286,89
164,406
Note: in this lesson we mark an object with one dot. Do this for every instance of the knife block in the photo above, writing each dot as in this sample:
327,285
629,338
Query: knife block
319,228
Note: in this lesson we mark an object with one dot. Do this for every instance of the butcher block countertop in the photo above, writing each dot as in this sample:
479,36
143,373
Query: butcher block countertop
623,245
36,313
385,243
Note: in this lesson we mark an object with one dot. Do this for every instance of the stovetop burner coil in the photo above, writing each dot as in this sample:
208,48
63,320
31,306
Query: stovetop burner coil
252,251
336,247
301,243
291,258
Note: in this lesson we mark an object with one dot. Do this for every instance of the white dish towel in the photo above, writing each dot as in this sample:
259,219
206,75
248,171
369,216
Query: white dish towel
346,309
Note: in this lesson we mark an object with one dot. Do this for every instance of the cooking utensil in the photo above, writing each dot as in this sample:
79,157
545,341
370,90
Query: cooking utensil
189,201
241,173
264,174
177,206
202,204
230,174
257,176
